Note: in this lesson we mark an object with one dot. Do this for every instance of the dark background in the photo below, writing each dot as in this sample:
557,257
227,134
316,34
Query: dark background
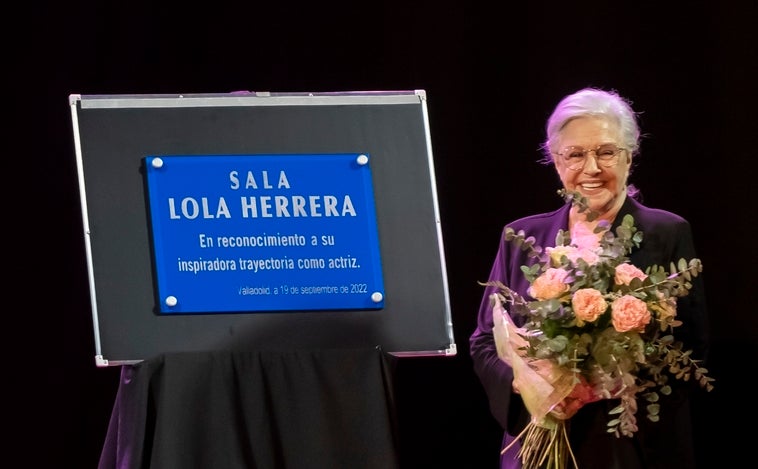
492,72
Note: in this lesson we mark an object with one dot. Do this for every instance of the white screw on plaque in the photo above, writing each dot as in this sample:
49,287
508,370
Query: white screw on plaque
157,163
376,297
362,159
171,301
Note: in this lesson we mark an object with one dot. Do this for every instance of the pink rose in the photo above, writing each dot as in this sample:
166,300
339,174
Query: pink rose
590,256
584,237
573,254
588,305
551,284
626,272
629,314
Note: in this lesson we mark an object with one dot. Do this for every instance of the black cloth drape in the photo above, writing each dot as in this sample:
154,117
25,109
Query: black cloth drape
254,410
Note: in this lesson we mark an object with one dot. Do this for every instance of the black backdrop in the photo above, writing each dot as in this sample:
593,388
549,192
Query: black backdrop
491,71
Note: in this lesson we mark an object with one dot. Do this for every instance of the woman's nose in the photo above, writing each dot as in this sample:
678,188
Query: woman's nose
590,164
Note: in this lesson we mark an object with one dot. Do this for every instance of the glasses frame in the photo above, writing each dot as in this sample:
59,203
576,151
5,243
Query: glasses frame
605,164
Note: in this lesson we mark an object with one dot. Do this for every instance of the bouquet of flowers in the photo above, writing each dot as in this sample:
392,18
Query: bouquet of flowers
597,327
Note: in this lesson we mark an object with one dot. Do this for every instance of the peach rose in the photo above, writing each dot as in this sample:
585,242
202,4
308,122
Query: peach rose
588,305
626,272
551,284
629,314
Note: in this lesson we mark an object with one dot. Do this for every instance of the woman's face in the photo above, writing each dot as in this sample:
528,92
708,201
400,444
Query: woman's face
603,187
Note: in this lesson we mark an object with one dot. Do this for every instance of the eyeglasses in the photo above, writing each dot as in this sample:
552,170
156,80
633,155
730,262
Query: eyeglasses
607,155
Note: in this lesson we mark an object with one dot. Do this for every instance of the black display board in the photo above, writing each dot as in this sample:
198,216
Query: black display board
114,137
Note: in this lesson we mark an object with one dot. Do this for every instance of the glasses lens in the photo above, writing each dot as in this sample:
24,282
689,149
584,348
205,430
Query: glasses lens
606,155
574,157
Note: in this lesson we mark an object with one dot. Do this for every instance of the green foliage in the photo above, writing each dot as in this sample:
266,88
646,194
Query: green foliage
619,364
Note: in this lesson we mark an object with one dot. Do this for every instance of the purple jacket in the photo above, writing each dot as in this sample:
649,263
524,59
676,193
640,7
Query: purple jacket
665,444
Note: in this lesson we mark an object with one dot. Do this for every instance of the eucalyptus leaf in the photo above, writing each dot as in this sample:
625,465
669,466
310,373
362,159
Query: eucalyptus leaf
616,410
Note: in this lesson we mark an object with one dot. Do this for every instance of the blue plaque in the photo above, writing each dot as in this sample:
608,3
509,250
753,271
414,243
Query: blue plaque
254,233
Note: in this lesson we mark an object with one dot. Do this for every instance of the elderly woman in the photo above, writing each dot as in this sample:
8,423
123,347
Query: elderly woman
592,139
